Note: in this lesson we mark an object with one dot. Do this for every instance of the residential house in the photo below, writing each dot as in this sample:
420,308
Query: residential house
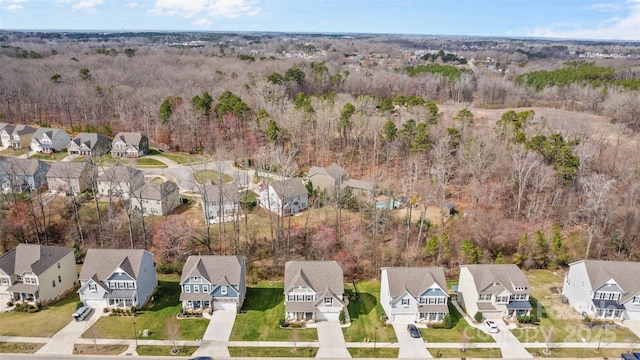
2,126
220,203
286,197
414,294
70,178
129,145
313,290
213,283
22,174
117,278
48,140
36,273
89,144
495,290
604,289
16,136
361,189
156,198
328,179
120,180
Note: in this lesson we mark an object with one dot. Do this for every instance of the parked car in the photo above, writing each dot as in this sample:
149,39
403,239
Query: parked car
413,331
82,313
491,326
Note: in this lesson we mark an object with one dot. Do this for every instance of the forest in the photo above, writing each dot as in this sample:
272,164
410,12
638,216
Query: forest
534,143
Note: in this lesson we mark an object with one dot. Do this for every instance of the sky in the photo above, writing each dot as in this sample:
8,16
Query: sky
566,19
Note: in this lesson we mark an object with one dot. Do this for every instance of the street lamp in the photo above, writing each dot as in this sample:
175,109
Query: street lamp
375,340
135,333
600,340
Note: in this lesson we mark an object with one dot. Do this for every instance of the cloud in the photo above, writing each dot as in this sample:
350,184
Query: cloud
88,5
604,7
201,11
132,5
14,5
621,27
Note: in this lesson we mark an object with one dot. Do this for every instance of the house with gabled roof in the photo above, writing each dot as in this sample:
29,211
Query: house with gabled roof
20,175
156,198
220,203
414,294
328,179
117,278
495,290
313,291
91,144
70,178
47,140
211,282
16,136
604,289
36,273
285,197
120,180
129,145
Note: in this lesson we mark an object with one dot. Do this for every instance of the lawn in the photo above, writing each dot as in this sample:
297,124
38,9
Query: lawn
146,162
153,317
13,152
580,353
44,323
164,350
365,313
370,353
274,352
22,348
51,157
263,310
469,353
455,334
210,176
180,159
87,349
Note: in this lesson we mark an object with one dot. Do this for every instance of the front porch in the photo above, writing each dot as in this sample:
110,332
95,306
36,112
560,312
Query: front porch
300,317
518,308
23,293
608,309
196,302
432,317
121,299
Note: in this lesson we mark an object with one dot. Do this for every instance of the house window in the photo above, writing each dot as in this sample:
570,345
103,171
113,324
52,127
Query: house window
636,300
205,288
93,287
58,265
53,283
196,278
502,299
187,289
291,298
4,281
308,298
423,300
328,301
59,278
519,297
405,302
223,290
484,297
30,280
130,285
196,289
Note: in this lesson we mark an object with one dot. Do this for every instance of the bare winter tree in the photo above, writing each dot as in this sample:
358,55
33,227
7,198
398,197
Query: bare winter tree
599,199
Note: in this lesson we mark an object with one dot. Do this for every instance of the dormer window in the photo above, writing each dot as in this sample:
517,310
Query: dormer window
405,302
223,290
328,301
484,297
195,278
93,287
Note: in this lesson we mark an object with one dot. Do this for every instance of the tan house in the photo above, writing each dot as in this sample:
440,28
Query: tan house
36,273
328,179
129,145
120,180
89,144
16,136
156,199
68,178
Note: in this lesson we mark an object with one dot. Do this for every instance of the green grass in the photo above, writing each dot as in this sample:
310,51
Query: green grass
469,353
164,350
275,352
146,162
51,157
180,159
153,317
580,353
455,334
12,152
370,353
263,310
365,313
210,176
48,321
22,348
87,349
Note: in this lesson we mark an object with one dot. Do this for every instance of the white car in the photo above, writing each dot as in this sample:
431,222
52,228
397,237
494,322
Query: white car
491,326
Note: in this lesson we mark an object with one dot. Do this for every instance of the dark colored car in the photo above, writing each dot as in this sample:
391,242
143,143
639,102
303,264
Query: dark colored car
413,331
202,358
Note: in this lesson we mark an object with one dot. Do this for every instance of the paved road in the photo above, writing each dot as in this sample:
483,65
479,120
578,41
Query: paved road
62,342
331,340
410,348
215,340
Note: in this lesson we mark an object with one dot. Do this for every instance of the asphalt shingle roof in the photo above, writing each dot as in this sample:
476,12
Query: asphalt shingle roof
508,275
216,269
415,280
103,262
318,275
31,258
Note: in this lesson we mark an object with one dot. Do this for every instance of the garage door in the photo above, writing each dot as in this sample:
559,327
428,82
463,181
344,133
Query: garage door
95,303
322,316
404,318
217,305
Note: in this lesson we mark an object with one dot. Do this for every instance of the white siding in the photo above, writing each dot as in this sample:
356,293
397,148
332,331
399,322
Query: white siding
467,291
577,288
147,280
385,296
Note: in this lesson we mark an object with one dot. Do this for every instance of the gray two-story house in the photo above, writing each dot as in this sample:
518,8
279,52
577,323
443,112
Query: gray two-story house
285,197
22,174
48,140
414,294
129,145
495,290
120,180
213,283
220,203
91,144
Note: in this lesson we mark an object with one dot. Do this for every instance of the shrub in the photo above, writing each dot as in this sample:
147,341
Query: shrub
478,316
79,304
342,317
448,321
9,303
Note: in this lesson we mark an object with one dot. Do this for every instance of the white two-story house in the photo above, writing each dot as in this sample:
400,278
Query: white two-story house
604,289
36,273
285,198
213,283
495,290
313,290
16,136
120,180
48,140
414,294
220,203
117,278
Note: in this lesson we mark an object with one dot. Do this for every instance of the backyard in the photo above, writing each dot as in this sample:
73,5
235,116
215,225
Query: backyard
262,313
153,317
366,314
49,320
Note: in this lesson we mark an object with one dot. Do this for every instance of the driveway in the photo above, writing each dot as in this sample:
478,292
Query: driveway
215,341
63,341
331,341
509,345
410,348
